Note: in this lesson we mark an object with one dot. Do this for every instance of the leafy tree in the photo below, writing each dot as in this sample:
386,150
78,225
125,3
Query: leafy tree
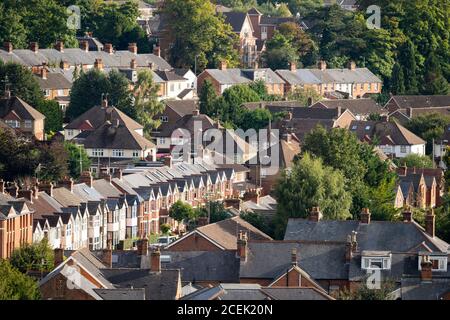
146,103
165,228
416,160
53,115
207,98
22,83
434,82
306,96
198,34
443,218
310,183
279,53
78,159
381,201
364,292
52,161
397,80
181,211
407,59
229,106
217,211
16,286
11,27
299,39
259,222
33,257
428,126
255,119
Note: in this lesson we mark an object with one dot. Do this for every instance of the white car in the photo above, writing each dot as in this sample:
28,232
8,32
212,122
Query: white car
164,241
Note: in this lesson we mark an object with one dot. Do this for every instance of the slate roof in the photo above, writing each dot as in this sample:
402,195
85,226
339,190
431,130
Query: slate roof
377,235
157,286
268,104
289,293
235,19
356,106
98,115
235,76
53,81
20,108
422,101
270,259
121,294
389,133
415,289
106,189
301,127
195,266
66,198
308,113
111,136
167,75
182,107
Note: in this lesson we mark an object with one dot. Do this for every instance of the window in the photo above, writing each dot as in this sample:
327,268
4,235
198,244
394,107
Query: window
439,263
162,140
403,149
13,123
118,153
368,86
369,263
28,123
375,86
164,118
68,230
135,153
97,152
47,92
172,87
70,133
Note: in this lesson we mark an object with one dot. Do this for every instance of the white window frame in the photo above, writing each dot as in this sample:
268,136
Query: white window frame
96,152
403,149
367,263
119,153
28,124
442,266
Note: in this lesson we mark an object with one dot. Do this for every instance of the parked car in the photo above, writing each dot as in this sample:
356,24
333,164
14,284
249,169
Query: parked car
164,241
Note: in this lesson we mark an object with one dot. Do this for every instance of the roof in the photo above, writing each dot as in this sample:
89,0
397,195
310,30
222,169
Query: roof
113,136
182,107
171,75
356,106
301,127
235,19
268,104
53,81
66,198
308,113
421,101
98,115
389,132
377,235
121,294
415,289
106,189
241,76
289,293
20,108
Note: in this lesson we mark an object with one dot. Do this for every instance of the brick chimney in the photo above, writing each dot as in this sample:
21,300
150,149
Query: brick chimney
168,161
293,66
107,254
142,247
26,194
98,64
118,174
195,112
157,51
351,246
223,65
242,246
407,215
252,195
365,216
132,47
67,183
151,66
202,221
426,266
64,64
315,214
104,174
8,46
84,45
2,186
86,177
288,116
155,260
13,189
108,48
34,46
44,73
430,223
133,64
294,257
322,65
352,65
59,46
47,188
58,256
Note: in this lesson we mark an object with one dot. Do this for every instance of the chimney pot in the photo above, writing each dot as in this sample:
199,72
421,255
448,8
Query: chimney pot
315,214
365,216
132,47
84,45
430,223
157,51
242,246
8,46
108,48
58,256
34,46
155,260
223,65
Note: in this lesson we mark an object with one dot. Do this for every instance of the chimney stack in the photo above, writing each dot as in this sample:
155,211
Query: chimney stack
132,47
98,64
34,46
142,247
107,254
133,64
157,51
8,46
365,216
2,186
315,214
58,256
84,45
430,223
322,65
426,266
86,177
44,72
339,111
407,215
26,194
352,65
67,183
223,65
168,161
104,174
13,189
351,246
59,46
108,48
294,257
293,66
155,261
64,65
47,188
196,112
242,246
118,173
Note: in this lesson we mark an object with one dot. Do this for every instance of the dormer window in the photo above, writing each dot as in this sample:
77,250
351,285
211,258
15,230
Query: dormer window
371,260
439,262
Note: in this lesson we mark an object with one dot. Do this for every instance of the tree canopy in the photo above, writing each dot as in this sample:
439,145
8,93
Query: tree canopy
14,285
33,257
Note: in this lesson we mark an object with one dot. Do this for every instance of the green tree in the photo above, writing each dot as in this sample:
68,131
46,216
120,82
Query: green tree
52,161
397,84
382,201
299,39
434,81
229,106
146,103
259,222
364,292
11,27
306,96
198,34
279,53
217,211
165,228
428,126
407,59
310,183
208,97
53,115
16,286
416,160
255,119
181,211
78,159
33,257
